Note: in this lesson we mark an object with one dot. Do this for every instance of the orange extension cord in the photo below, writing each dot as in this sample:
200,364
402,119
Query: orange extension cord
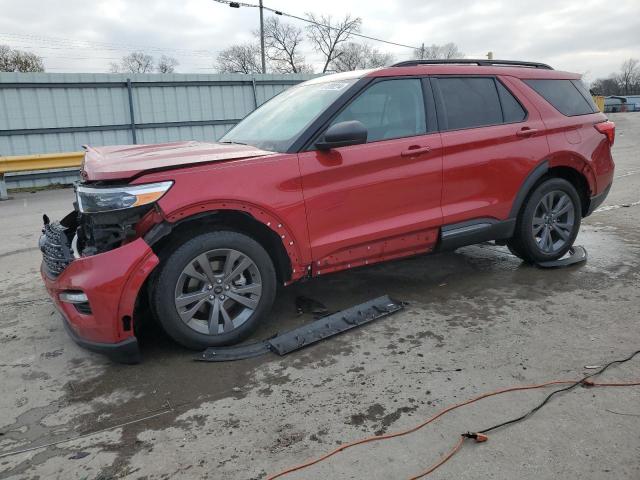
458,446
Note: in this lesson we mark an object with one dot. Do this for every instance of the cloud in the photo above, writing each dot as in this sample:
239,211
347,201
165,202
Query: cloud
575,35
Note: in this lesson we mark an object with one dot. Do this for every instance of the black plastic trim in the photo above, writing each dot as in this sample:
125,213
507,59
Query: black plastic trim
126,352
441,112
597,200
535,175
429,105
577,254
309,333
475,231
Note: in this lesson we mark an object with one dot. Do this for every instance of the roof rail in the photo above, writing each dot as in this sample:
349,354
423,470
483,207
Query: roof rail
473,61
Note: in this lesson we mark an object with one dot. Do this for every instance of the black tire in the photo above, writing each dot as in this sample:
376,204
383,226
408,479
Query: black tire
525,244
172,272
515,249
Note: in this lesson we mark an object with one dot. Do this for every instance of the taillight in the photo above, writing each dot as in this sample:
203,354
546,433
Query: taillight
607,128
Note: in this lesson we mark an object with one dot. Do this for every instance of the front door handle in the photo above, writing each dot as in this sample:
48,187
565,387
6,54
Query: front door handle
414,150
526,132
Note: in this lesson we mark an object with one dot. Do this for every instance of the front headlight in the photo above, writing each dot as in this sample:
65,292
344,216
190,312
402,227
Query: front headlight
108,199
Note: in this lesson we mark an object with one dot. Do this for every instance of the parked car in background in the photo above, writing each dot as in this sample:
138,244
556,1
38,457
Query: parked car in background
633,103
339,172
614,104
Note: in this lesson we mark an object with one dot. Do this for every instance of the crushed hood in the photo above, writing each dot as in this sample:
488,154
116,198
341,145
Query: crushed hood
126,161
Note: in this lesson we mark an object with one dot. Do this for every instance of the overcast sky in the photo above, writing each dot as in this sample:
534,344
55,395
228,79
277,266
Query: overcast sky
592,37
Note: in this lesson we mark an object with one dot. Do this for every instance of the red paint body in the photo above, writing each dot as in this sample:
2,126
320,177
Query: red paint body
344,207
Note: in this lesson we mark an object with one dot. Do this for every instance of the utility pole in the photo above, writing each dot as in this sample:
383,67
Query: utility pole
261,7
264,64
422,51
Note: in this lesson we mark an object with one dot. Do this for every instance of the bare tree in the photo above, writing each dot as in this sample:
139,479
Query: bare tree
605,86
354,56
439,52
627,82
244,58
328,35
12,60
282,43
629,77
167,64
6,62
135,62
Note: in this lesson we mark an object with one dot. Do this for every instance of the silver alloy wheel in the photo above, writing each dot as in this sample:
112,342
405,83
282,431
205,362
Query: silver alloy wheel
218,291
553,221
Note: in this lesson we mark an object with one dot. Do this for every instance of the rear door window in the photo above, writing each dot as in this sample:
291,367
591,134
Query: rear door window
470,102
565,95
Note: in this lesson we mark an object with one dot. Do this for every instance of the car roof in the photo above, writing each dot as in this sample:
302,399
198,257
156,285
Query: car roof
450,68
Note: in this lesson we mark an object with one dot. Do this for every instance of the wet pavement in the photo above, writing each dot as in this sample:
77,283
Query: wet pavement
477,320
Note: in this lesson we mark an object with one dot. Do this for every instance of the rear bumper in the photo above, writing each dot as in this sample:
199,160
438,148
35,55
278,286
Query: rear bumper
597,200
111,281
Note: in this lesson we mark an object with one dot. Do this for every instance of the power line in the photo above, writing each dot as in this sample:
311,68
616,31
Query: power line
62,43
302,19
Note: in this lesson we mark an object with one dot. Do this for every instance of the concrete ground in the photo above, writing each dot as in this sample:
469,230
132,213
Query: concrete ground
478,320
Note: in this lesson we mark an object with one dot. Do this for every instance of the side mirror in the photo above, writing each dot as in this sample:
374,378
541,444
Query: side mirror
343,134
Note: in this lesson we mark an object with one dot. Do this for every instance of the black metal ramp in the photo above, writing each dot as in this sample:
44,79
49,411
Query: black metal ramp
310,333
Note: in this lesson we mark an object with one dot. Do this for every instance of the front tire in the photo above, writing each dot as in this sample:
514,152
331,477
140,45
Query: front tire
214,289
549,222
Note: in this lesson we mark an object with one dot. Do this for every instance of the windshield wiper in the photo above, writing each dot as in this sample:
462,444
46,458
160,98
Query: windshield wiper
234,143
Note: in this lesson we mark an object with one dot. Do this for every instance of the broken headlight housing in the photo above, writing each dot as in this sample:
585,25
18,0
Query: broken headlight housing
109,199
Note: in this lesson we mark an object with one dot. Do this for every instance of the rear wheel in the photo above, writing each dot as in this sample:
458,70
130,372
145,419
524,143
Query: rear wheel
549,222
214,289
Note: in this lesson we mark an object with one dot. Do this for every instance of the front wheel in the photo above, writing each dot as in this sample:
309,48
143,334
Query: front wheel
214,289
549,222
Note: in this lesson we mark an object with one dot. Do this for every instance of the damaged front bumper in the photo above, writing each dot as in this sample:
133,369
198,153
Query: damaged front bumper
103,289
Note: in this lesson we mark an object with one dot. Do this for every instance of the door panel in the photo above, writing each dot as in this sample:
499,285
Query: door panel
372,202
484,167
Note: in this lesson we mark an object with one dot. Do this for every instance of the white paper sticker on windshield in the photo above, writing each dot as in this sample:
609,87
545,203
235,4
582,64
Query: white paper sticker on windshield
333,86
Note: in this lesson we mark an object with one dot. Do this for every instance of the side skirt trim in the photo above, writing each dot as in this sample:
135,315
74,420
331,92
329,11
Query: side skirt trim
475,231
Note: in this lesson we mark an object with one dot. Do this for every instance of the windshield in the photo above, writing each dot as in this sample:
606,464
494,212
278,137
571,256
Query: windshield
278,123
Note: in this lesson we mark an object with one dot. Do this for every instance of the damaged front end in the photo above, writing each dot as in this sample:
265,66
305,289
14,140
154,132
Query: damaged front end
81,235
105,217
95,263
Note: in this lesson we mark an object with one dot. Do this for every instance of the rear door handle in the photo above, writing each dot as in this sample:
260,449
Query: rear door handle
526,132
414,150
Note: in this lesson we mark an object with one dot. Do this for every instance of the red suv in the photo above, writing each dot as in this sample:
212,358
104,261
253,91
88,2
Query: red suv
338,172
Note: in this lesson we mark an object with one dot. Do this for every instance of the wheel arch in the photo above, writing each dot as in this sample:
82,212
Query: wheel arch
255,222
575,170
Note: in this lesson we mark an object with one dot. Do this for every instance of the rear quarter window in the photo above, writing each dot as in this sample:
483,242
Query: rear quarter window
511,109
569,97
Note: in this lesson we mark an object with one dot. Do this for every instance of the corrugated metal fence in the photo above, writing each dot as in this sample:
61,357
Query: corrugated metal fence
49,113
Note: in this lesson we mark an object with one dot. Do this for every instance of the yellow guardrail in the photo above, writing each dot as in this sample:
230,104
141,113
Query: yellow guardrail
24,163
599,99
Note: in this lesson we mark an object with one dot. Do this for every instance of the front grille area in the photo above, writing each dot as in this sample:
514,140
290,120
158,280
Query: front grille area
55,247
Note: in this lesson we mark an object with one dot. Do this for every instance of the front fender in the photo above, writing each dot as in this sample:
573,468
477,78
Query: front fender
292,245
